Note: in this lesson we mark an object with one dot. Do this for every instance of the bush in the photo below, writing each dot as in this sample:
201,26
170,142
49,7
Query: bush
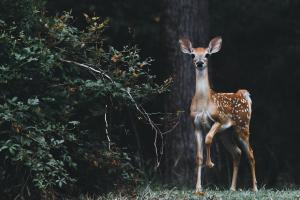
64,94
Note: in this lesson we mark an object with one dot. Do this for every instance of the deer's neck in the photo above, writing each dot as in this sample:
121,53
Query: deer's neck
203,91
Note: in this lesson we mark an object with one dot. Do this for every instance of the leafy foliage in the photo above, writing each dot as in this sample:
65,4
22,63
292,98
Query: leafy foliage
52,105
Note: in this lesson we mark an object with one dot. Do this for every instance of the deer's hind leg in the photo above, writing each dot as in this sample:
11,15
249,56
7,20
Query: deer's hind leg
244,138
235,152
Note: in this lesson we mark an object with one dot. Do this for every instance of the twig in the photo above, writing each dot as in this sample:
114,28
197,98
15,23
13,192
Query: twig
106,128
88,67
153,126
140,109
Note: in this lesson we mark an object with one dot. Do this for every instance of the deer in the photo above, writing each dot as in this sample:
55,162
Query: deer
218,112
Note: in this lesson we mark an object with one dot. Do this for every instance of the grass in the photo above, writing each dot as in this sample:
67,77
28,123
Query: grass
148,193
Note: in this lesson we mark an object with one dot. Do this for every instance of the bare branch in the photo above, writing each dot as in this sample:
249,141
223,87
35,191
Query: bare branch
99,71
156,129
139,108
106,128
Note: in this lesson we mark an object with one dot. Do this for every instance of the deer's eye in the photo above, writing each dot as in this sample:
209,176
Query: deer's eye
193,56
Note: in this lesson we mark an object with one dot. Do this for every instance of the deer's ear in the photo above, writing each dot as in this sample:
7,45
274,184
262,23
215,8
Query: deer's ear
215,45
185,45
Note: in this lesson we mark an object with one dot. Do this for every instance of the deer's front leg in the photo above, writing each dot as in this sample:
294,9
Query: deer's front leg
199,159
208,140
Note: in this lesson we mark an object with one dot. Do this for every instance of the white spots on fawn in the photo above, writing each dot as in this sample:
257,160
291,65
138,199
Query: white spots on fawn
234,107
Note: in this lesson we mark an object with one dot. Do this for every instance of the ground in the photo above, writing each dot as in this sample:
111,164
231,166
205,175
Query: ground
148,193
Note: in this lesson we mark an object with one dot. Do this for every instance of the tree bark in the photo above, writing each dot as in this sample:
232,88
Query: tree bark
182,18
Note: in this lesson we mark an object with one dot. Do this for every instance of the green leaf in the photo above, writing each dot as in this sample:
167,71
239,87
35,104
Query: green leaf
33,102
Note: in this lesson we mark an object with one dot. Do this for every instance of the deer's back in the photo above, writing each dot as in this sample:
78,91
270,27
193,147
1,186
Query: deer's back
233,107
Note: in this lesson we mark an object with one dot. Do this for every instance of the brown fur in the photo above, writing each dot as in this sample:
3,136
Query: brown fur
233,107
225,109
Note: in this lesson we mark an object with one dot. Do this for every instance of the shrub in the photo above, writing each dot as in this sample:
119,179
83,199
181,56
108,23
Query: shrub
64,94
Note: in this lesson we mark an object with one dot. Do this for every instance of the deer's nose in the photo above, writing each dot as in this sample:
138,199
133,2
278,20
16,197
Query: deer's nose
200,64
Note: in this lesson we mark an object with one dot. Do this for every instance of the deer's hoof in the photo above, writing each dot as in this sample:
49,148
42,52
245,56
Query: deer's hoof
255,189
199,193
210,164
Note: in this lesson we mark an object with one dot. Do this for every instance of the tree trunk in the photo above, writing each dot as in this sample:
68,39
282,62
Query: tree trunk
182,18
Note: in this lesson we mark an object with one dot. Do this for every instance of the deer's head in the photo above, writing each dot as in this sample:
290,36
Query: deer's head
200,55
